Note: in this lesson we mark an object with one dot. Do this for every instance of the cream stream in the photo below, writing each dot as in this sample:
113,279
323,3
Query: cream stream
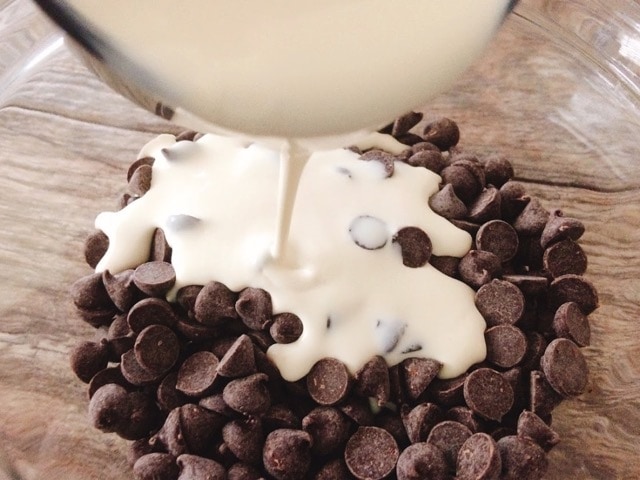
215,199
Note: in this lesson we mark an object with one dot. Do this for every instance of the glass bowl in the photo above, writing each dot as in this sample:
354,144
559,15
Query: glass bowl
558,93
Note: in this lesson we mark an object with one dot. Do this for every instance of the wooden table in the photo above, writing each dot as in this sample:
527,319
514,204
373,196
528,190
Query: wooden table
65,141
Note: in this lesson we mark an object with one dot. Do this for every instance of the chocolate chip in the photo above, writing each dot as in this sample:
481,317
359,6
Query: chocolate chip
333,470
500,303
488,393
486,206
197,374
286,328
532,219
463,181
214,304
160,250
498,170
569,322
446,203
559,227
529,285
449,436
156,466
369,232
109,408
429,159
95,246
466,417
417,374
139,162
89,358
167,395
248,395
150,311
121,289
446,264
448,392
254,308
372,380
145,417
239,359
521,459
245,439
564,257
328,381
357,409
105,377
186,298
242,471
478,267
199,427
135,373
531,425
89,293
420,461
443,133
564,367
281,416
573,288
506,345
194,467
157,348
140,181
415,246
469,227
536,345
499,238
513,200
287,454
328,427
478,459
419,420
371,453
154,278
392,423
404,123
543,398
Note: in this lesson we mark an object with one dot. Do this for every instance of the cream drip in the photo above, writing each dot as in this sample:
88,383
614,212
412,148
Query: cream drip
216,201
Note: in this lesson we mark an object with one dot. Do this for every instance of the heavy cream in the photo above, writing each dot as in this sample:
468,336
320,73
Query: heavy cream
298,68
340,271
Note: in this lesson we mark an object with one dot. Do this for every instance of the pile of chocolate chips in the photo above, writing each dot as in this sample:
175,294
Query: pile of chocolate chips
190,384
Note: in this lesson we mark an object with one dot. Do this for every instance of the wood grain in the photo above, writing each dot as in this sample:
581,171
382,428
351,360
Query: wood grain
65,141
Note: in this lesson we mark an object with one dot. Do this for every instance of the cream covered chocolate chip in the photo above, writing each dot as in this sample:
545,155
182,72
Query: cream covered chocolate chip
369,232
